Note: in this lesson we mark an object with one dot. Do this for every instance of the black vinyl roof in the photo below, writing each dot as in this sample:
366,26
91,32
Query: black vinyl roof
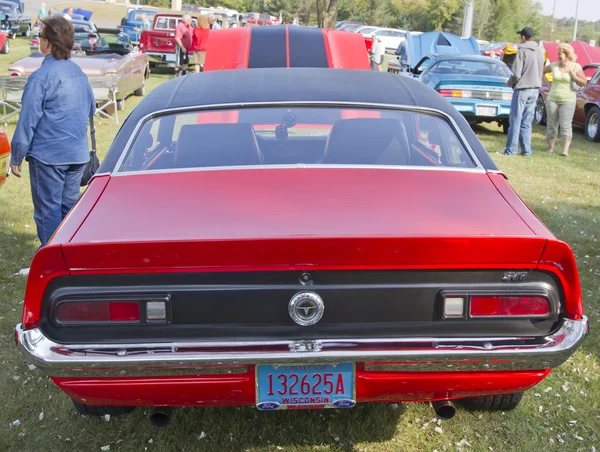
289,85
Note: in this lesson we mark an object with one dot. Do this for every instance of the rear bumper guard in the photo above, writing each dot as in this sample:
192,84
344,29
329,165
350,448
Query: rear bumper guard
418,355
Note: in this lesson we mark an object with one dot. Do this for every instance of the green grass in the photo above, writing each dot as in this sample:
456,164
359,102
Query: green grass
564,192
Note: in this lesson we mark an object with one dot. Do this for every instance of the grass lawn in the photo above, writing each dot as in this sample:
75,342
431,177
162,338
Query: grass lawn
562,413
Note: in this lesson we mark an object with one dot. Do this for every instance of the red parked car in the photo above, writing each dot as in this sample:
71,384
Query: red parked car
159,43
324,238
284,46
4,156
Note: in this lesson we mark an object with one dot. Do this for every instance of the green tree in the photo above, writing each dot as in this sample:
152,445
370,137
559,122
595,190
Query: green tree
441,12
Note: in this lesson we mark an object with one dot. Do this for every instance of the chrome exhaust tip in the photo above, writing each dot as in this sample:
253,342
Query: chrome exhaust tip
160,416
444,409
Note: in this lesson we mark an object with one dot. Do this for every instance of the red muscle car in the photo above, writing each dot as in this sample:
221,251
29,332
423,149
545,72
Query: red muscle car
285,46
324,238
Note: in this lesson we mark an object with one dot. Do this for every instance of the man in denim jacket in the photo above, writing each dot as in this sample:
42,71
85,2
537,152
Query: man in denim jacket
52,130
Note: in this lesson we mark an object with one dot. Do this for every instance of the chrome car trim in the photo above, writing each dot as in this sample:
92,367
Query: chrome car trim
297,166
430,354
332,104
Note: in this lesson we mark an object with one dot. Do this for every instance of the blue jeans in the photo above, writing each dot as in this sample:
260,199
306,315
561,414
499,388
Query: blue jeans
521,119
54,189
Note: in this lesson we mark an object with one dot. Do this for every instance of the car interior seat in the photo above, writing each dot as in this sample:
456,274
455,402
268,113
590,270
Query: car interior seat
367,141
204,145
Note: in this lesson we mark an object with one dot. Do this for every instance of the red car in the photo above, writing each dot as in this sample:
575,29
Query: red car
299,238
4,156
285,46
587,109
159,43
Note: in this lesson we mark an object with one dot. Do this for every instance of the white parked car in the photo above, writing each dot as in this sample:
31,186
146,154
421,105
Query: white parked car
390,37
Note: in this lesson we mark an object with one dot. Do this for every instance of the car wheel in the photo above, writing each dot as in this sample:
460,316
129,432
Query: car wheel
120,104
142,90
5,47
505,126
90,410
592,124
493,403
540,111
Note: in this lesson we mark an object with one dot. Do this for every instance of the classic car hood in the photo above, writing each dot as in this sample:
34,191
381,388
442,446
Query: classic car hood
91,65
233,215
439,42
586,54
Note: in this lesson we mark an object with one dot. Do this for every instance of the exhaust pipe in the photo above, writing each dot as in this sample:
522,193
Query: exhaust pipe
444,409
160,416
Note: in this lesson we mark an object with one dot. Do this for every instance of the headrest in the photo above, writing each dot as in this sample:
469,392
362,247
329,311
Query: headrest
367,141
203,145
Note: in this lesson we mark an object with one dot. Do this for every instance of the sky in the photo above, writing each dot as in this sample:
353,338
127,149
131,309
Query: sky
588,9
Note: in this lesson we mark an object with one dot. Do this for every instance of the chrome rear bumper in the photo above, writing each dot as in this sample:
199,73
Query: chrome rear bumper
423,354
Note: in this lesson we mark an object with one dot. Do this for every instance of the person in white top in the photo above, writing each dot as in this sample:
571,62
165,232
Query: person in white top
377,51
68,15
214,25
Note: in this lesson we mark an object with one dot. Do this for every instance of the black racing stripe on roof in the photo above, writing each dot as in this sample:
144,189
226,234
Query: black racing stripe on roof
267,47
307,47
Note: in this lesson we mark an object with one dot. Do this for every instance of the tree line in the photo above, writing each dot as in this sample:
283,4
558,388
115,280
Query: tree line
493,20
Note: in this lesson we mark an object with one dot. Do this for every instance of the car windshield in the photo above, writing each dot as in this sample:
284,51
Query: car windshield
491,68
8,9
94,44
295,136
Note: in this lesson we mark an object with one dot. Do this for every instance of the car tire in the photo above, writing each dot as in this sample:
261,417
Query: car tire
505,126
592,124
5,47
90,410
141,90
493,403
120,104
539,115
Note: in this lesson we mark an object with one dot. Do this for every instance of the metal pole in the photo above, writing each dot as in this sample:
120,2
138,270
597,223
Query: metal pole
576,19
551,26
467,30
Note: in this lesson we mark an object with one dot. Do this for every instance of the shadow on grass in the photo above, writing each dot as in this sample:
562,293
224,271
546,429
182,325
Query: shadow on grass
246,428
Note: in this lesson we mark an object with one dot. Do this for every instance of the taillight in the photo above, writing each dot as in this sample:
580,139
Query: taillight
463,306
98,311
501,306
14,74
454,93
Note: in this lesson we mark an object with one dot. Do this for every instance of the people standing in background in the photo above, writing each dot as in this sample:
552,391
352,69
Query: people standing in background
42,11
146,24
526,80
403,52
214,25
561,100
183,40
51,133
199,40
69,14
377,52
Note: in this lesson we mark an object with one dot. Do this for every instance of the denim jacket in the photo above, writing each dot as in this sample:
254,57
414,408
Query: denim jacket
56,106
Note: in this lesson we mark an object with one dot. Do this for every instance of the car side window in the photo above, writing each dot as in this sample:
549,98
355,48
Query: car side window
596,78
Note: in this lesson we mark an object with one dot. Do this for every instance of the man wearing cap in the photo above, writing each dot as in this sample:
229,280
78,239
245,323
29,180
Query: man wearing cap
526,80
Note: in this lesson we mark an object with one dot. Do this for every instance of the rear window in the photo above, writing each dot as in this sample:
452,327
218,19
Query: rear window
295,136
491,68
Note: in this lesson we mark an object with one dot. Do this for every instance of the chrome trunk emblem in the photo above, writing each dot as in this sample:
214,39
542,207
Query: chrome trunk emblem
306,308
306,346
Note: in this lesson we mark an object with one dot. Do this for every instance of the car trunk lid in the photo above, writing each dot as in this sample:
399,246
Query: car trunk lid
302,218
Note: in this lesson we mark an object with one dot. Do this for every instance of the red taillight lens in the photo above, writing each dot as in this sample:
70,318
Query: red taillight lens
484,306
98,311
445,92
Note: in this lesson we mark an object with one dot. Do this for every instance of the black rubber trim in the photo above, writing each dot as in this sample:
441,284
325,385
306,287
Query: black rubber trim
307,48
267,47
254,305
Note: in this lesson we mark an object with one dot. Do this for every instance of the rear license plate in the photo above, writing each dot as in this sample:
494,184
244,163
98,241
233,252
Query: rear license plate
486,111
280,387
170,57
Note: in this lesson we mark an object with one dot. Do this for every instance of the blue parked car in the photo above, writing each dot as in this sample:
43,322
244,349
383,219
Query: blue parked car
453,66
135,24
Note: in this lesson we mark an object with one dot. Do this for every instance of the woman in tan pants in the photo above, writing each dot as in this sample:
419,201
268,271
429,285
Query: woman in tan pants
199,40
